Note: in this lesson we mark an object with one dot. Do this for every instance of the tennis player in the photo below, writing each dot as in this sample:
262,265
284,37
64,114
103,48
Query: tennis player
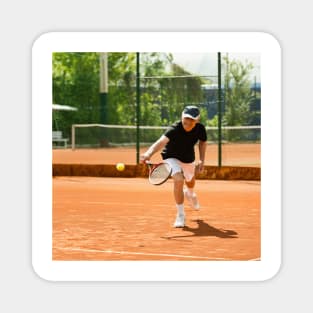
177,145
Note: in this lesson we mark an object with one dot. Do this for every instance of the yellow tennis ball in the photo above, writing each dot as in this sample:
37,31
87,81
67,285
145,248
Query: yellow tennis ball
120,166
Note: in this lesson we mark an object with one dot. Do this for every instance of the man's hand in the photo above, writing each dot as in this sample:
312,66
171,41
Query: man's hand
145,157
200,167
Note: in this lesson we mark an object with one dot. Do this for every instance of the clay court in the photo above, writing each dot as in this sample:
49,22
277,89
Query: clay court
118,218
129,219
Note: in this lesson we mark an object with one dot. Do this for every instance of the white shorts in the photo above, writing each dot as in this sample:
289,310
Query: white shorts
188,169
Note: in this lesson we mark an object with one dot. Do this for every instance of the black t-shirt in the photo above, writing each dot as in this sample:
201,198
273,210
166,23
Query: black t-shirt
181,144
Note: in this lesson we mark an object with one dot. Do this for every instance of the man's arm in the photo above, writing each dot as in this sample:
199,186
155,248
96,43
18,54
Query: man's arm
158,145
202,150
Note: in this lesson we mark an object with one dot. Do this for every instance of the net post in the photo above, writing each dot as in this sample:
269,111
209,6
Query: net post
73,137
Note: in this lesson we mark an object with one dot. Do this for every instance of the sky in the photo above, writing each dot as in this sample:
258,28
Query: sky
206,63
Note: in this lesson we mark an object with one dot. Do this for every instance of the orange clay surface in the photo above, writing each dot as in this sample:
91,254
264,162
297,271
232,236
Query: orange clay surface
129,219
232,155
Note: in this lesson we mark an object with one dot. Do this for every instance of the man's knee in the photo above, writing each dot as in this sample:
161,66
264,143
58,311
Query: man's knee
178,177
191,183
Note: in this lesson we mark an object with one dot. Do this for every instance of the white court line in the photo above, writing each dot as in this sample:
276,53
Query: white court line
107,202
123,203
141,253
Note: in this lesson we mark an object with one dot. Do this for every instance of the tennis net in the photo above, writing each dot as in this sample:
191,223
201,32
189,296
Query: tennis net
100,135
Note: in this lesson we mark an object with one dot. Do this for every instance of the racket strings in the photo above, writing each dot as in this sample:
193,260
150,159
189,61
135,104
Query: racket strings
160,173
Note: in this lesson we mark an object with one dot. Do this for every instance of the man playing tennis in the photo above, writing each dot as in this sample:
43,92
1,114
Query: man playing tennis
178,143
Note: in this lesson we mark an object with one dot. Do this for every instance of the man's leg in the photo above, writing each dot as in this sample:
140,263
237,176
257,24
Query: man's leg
190,194
178,188
191,184
179,199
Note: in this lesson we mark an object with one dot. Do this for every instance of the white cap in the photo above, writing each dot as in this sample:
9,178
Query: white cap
192,112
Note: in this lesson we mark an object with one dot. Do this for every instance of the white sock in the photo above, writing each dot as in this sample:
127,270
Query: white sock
190,191
180,209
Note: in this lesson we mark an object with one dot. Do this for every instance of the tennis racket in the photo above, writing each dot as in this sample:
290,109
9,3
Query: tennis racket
159,173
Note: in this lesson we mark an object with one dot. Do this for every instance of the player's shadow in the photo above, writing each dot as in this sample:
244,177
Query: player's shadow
204,229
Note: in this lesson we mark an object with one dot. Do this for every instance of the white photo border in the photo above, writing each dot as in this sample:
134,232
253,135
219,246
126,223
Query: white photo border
242,42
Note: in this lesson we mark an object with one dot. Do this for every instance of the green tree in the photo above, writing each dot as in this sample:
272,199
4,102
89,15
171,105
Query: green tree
76,83
122,93
177,92
237,92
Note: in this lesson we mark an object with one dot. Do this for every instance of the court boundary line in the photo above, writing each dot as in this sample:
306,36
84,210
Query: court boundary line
148,254
141,253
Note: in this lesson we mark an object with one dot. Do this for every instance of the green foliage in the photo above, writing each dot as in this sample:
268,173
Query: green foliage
76,80
213,122
238,99
238,95
76,83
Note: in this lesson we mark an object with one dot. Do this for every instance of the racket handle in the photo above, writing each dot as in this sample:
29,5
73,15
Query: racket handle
149,164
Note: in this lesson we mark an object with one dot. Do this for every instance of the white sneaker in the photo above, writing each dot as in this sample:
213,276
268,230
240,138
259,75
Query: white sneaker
193,200
180,220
